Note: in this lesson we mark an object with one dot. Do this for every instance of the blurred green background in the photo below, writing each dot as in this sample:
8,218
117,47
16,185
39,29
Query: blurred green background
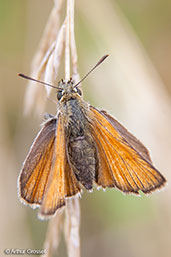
134,84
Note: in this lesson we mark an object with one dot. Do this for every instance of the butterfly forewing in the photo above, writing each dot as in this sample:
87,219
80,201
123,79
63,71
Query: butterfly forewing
36,168
104,175
46,178
61,181
128,160
132,140
55,193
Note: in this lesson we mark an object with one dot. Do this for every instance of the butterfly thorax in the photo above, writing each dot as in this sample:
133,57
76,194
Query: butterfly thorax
81,149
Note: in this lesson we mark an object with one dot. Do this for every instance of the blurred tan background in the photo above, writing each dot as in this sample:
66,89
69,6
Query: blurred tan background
134,85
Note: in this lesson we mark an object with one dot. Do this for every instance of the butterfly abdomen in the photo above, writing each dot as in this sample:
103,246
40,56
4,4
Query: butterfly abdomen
82,153
82,156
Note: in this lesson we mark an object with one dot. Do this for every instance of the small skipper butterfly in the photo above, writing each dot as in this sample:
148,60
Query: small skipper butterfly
78,147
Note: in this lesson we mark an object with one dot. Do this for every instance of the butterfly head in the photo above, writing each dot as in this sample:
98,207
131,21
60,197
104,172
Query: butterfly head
67,90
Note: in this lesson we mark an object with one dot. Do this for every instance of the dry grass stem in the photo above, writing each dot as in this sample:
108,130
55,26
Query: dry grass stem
50,33
72,225
72,221
53,234
43,63
74,55
67,43
34,94
53,64
49,73
56,40
60,41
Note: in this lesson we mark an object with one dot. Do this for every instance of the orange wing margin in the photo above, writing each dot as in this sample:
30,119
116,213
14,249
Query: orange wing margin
124,165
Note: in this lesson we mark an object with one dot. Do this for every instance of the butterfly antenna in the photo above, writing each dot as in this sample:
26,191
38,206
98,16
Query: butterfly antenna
97,64
41,82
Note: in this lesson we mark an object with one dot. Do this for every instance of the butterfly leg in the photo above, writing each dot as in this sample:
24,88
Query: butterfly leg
48,116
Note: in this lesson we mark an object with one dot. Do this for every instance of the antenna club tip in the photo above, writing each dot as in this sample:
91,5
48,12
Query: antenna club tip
20,74
105,56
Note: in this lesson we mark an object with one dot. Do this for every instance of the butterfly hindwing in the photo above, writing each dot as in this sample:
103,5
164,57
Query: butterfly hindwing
128,161
71,183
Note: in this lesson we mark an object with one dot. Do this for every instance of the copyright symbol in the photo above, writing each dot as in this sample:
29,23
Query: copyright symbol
7,251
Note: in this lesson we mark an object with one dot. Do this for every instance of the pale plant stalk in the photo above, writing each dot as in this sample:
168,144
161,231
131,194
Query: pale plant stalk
67,43
72,224
74,55
53,234
34,94
57,40
53,64
72,211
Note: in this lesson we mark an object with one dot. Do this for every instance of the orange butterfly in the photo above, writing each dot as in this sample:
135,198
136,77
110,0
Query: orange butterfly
79,146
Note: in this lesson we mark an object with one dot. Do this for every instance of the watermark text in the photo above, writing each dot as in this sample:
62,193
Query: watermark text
17,251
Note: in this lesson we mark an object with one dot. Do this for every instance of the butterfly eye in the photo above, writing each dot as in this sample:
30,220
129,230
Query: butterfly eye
79,91
59,95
